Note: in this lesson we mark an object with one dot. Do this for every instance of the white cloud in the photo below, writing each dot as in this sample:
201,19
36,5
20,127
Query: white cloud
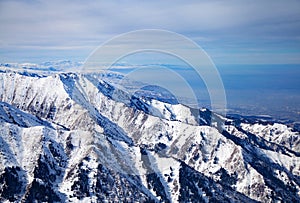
66,24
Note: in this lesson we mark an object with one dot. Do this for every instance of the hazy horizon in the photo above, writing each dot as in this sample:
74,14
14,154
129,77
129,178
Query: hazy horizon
255,45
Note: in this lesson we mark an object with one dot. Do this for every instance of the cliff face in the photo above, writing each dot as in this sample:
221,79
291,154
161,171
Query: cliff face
69,137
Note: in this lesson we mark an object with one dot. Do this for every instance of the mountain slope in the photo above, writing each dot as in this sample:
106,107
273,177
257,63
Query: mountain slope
83,138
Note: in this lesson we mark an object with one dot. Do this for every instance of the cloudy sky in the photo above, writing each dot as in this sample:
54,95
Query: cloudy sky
231,32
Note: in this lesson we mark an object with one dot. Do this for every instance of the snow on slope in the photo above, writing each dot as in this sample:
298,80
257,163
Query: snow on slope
96,142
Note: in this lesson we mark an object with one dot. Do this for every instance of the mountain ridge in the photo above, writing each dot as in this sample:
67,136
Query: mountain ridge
96,143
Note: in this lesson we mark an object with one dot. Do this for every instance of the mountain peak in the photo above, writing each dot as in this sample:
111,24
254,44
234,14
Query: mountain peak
82,137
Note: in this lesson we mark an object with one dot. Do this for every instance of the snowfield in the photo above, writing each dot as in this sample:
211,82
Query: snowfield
81,138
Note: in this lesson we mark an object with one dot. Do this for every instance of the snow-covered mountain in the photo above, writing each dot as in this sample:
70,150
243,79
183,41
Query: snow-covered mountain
63,65
82,138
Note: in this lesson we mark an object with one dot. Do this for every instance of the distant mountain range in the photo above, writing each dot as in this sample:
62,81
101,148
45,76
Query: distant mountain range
68,137
63,65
